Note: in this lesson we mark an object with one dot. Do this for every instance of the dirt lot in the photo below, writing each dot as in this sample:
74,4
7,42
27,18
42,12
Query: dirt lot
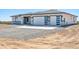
65,38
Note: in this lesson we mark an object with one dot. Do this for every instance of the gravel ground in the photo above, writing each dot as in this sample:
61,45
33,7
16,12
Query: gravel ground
23,33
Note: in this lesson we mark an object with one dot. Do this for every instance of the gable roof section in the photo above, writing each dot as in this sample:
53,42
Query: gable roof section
52,11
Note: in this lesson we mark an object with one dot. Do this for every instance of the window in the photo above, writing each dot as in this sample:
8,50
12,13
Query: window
58,17
74,19
63,20
15,18
47,20
32,19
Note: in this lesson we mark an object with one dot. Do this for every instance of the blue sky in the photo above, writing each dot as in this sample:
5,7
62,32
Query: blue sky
6,13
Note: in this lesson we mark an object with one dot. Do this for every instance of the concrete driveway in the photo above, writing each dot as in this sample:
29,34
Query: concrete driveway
26,32
37,27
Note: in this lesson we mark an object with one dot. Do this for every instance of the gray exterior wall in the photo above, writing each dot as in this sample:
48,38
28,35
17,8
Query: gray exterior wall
39,19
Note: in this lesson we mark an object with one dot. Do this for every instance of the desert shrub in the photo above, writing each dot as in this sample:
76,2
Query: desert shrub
78,22
5,22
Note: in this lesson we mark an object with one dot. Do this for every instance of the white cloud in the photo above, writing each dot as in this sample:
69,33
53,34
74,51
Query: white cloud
39,4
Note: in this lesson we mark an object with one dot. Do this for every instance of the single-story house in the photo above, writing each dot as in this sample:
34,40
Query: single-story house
48,18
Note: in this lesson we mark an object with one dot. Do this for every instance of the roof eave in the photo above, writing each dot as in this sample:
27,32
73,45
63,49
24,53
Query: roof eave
43,13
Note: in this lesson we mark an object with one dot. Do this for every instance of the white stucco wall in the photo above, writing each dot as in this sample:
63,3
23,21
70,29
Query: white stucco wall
69,19
13,18
31,20
18,19
38,20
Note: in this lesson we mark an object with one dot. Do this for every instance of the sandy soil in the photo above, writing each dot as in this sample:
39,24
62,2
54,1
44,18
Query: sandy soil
67,38
3,26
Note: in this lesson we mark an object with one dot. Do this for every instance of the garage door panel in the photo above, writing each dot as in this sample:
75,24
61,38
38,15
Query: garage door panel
38,20
53,20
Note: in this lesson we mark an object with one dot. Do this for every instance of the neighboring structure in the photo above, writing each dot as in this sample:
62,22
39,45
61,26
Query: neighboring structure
49,18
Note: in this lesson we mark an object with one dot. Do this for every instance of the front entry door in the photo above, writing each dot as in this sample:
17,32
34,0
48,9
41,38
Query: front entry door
26,20
58,19
47,20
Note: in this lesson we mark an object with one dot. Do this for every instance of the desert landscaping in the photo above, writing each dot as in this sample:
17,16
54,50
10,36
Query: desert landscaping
67,37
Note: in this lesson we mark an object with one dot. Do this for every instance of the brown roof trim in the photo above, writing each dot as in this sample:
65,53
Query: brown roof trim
43,13
70,14
38,13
